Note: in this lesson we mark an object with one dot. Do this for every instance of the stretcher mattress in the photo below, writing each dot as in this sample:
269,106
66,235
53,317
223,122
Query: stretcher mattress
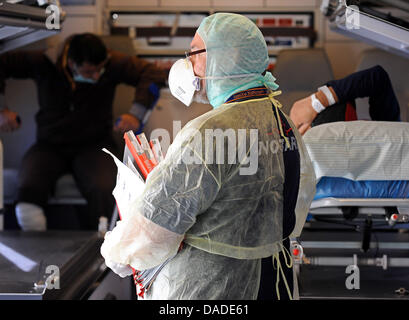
336,187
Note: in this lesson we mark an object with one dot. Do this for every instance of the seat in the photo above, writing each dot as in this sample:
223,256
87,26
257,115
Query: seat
301,72
398,69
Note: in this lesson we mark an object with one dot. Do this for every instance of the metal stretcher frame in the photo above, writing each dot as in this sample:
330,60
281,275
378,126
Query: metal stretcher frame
361,202
369,208
379,255
334,206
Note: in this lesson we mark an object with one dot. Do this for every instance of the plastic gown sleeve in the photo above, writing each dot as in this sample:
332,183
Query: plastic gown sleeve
307,187
175,194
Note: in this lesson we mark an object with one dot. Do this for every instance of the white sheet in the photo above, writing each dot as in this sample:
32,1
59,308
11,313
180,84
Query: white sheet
360,150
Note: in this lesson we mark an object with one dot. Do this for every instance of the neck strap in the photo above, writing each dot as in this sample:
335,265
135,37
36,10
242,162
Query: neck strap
253,93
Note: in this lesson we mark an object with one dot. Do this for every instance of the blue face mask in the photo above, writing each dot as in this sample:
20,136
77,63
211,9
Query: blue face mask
79,78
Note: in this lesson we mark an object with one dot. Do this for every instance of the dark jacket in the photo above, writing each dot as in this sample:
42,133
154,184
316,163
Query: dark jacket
78,114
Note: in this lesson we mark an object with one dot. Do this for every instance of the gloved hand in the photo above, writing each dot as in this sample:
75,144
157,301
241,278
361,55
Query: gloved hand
120,269
9,120
127,122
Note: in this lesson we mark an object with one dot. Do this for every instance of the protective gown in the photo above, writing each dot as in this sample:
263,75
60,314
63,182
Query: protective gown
224,197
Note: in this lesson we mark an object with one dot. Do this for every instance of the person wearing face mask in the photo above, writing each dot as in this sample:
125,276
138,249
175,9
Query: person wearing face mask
233,206
74,121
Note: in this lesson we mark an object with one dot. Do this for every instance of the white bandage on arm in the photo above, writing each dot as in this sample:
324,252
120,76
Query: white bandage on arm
328,94
140,243
316,104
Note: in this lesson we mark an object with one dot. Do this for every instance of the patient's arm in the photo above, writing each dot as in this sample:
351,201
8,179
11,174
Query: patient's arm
373,83
302,112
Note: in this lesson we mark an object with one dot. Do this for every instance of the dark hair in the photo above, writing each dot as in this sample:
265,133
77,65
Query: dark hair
87,47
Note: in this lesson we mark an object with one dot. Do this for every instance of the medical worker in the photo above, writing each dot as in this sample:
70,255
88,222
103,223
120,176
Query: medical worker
74,121
234,186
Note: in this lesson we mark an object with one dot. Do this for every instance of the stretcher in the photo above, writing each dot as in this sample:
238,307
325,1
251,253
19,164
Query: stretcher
344,201
355,223
386,201
368,233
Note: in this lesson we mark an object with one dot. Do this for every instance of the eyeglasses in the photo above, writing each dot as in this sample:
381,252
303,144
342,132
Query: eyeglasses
192,53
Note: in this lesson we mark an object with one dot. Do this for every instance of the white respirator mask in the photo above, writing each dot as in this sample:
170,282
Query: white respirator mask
182,81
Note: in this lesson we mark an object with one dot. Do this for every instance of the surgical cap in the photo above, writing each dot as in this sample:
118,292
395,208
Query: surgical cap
237,56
